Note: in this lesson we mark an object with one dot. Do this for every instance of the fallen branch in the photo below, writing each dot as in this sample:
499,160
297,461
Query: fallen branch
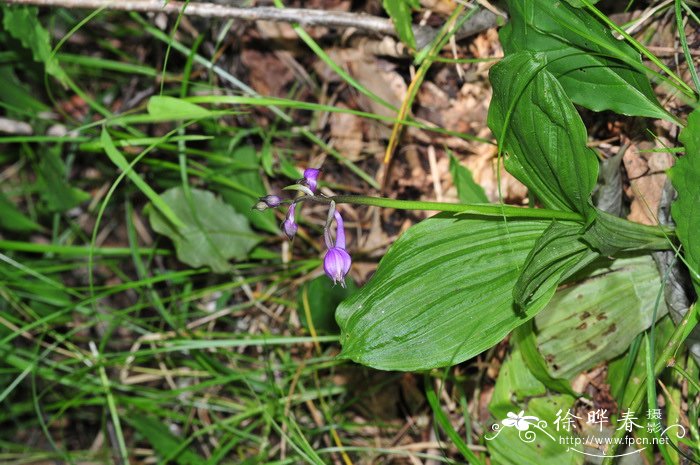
481,21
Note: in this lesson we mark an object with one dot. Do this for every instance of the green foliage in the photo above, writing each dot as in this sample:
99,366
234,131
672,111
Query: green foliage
422,310
595,69
165,108
212,232
514,385
55,189
17,96
602,314
442,294
686,209
538,127
243,169
400,13
519,390
162,440
468,191
119,160
323,298
524,340
557,254
611,235
626,373
12,219
22,23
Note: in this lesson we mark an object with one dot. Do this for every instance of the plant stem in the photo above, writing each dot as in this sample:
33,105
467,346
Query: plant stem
665,360
497,210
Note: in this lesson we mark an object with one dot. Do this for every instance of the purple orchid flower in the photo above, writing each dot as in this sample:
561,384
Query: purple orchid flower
311,178
268,201
290,226
337,261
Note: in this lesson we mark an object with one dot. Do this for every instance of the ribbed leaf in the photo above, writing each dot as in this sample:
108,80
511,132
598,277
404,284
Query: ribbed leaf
558,253
596,70
542,133
442,294
611,235
597,319
686,209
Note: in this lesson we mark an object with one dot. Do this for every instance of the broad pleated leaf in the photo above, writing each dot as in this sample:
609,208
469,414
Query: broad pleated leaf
686,209
597,319
442,294
558,253
596,70
542,133
517,389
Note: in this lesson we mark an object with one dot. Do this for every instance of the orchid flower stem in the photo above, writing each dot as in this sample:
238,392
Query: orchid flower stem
495,210
666,359
488,210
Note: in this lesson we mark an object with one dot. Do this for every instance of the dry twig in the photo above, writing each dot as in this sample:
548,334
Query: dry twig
481,21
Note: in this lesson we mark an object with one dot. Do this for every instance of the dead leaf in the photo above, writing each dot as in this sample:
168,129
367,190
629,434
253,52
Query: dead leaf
347,133
647,174
267,74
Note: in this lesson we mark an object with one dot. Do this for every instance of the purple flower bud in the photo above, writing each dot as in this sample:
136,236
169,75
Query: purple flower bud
336,264
337,261
268,201
311,178
290,226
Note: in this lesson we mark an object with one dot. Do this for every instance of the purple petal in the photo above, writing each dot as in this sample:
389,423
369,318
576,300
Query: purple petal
339,231
290,226
311,178
336,264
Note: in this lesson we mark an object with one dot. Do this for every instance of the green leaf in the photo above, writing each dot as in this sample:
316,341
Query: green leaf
515,383
14,220
596,70
212,232
442,294
686,208
626,374
542,134
22,23
468,191
400,13
611,235
558,253
17,95
323,298
525,341
516,390
119,160
54,188
510,449
165,108
597,319
159,436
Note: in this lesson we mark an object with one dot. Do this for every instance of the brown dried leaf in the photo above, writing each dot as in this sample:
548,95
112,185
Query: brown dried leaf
647,174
